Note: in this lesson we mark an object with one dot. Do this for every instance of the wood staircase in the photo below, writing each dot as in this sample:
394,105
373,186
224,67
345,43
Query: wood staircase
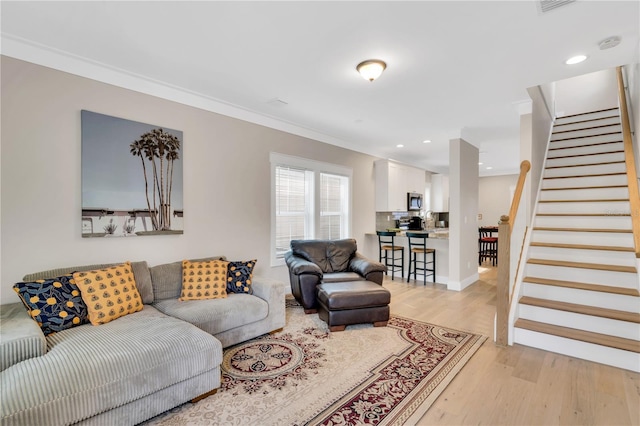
579,294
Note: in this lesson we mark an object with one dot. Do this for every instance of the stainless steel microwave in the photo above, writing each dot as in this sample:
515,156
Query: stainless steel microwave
414,201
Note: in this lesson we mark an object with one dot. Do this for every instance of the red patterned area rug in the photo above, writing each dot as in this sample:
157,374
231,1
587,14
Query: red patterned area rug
306,375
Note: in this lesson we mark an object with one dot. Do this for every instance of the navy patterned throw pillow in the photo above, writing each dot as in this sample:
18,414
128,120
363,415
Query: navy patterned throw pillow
54,303
239,275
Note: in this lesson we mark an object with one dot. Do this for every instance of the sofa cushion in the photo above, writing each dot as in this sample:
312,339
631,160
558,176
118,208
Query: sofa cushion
166,279
340,277
55,303
204,280
109,293
89,370
239,277
329,255
217,315
21,337
140,272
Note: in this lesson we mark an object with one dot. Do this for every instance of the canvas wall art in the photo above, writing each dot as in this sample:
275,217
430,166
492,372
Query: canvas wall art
131,178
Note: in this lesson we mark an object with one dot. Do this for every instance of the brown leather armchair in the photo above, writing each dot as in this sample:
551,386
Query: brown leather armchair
312,262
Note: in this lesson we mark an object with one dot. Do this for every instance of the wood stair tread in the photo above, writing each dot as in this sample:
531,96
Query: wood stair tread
587,121
581,309
582,246
583,145
583,286
605,163
587,113
584,265
587,136
587,200
582,176
585,128
547,228
584,155
584,187
581,335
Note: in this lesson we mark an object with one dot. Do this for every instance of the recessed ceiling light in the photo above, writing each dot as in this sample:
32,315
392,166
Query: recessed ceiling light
426,141
399,146
575,60
489,168
480,164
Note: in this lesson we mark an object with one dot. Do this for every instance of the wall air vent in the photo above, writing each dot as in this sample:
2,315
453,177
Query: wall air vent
549,5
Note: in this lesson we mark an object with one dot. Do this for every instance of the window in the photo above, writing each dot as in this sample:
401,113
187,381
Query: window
310,200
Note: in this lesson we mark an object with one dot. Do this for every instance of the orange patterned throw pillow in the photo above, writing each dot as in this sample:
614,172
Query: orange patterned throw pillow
204,280
109,293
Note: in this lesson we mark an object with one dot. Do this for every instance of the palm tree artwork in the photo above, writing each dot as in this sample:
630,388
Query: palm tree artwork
157,150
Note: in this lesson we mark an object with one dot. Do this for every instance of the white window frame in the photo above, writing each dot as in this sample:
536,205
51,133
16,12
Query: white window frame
317,167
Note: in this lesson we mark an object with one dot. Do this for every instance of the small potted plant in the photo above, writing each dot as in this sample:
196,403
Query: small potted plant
110,228
129,229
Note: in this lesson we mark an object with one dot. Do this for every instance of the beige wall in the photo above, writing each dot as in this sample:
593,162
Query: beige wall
494,198
226,177
463,211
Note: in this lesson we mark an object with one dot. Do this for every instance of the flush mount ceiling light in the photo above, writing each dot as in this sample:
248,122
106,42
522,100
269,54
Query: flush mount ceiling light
575,60
371,69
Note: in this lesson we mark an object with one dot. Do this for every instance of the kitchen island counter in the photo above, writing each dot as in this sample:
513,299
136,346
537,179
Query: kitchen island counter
438,240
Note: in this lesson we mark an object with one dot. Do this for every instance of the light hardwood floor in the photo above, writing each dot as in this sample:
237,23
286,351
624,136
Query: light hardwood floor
514,385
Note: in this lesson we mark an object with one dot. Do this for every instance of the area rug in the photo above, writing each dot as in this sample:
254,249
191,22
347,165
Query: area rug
306,375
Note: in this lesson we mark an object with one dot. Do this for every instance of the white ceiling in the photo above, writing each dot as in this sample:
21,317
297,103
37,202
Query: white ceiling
454,68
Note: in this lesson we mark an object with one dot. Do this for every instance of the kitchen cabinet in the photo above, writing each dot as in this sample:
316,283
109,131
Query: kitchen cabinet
439,193
393,181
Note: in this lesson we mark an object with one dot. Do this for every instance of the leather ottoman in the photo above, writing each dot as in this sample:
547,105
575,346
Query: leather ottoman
353,302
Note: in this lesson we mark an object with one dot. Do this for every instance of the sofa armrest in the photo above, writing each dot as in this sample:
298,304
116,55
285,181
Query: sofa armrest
299,266
364,266
273,292
20,336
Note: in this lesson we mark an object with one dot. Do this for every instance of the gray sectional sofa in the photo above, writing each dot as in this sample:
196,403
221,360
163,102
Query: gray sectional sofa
132,368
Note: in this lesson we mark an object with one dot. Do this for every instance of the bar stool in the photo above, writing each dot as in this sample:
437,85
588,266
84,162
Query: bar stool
388,249
487,246
418,246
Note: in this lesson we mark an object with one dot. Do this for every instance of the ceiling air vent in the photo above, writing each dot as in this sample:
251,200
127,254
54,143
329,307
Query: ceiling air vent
549,5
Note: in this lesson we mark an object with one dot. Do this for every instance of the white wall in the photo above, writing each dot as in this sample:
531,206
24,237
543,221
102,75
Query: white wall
585,93
541,122
226,177
494,197
463,212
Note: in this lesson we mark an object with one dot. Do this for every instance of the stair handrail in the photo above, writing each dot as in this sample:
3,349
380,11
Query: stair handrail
503,299
629,158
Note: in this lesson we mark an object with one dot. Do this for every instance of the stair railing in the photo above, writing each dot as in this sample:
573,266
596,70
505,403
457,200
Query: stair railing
505,229
629,158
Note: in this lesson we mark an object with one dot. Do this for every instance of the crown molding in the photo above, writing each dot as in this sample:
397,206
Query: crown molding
26,50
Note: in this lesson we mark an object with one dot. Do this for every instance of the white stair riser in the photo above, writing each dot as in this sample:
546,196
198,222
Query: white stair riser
605,222
602,354
586,170
588,238
592,140
619,302
582,275
585,181
558,127
585,194
615,128
582,150
570,161
611,140
587,117
608,207
606,257
594,324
